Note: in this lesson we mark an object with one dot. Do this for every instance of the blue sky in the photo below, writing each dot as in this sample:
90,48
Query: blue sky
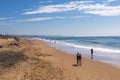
60,17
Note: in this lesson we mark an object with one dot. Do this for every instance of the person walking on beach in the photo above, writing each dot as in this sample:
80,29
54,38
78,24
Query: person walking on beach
91,53
78,56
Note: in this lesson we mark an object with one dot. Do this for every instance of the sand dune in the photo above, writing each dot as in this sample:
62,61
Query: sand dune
35,60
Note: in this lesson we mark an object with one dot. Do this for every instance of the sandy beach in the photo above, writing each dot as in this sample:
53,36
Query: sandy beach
35,60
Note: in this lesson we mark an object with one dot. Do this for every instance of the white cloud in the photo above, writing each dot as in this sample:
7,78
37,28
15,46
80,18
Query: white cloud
3,18
41,2
45,1
86,7
103,10
49,1
56,8
110,1
7,23
36,19
49,18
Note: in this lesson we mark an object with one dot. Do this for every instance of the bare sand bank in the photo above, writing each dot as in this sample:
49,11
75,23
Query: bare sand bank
35,60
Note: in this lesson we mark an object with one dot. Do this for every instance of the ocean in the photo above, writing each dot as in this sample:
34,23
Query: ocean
106,49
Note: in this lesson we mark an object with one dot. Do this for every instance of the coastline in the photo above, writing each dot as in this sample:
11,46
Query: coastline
64,62
102,56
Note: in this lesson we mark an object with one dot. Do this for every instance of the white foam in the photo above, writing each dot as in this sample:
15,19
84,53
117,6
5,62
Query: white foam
101,49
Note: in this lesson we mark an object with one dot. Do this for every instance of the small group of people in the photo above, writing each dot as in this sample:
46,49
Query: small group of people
79,57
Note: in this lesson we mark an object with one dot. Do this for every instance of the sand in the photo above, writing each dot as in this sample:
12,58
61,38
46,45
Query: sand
35,60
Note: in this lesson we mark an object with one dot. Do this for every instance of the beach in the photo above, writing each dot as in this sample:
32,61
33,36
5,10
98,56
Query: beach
35,60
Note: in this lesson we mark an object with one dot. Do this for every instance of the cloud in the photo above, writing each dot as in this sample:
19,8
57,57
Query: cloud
86,7
4,21
49,18
57,8
36,19
109,1
45,1
7,23
3,18
49,1
103,10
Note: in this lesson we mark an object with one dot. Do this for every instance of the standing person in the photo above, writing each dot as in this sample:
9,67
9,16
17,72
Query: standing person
79,59
92,53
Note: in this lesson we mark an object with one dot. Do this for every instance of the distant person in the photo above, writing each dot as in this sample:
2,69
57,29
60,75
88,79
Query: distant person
54,42
79,57
92,53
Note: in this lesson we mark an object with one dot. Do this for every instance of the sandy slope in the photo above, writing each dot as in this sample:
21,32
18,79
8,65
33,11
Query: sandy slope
34,60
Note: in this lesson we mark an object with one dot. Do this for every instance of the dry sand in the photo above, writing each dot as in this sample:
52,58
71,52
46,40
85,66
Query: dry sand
35,60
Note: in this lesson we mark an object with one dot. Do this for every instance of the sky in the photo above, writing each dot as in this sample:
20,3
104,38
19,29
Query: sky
60,17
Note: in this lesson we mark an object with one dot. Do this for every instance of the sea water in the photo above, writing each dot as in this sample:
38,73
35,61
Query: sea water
106,49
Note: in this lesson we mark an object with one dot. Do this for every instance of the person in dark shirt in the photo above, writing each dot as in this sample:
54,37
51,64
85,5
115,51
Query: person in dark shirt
79,57
92,53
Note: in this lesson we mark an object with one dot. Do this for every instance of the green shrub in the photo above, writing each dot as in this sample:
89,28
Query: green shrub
3,37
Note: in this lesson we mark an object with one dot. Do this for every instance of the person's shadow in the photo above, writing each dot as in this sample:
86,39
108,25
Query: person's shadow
75,65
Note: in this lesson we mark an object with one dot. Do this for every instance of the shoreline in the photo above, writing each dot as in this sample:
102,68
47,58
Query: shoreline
110,58
63,51
64,64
